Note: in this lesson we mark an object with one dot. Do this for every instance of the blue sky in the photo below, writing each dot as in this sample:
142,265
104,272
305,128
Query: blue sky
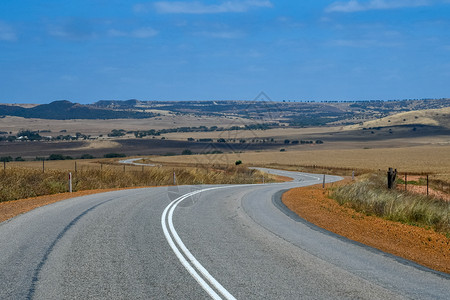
88,50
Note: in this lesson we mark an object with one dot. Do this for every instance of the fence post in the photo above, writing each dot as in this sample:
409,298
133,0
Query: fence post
124,168
391,175
406,182
323,184
75,166
70,182
174,178
353,175
43,165
427,184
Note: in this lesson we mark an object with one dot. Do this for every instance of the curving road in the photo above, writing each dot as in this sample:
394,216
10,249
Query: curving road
196,242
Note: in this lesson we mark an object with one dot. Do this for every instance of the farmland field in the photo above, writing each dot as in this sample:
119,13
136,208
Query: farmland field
420,159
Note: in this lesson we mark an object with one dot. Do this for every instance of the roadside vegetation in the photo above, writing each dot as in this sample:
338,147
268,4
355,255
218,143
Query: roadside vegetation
369,195
21,183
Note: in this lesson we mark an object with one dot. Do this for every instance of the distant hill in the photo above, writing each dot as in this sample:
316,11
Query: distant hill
430,117
277,113
66,110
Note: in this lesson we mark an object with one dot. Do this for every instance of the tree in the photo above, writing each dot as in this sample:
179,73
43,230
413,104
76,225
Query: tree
186,152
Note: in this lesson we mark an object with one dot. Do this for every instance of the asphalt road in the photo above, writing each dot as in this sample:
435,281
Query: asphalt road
219,241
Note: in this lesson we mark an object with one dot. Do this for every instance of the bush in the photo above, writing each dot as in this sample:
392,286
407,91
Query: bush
86,156
6,159
186,152
238,162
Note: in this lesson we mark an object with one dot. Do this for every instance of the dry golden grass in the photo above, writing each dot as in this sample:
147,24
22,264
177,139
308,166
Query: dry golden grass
97,127
277,133
421,159
20,183
436,117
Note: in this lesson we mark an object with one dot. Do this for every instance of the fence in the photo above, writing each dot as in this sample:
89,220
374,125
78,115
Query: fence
421,183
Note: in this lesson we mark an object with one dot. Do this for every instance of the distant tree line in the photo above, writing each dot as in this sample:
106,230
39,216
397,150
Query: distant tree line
153,132
34,135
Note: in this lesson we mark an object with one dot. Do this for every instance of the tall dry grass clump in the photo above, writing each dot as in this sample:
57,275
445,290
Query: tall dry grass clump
21,183
371,196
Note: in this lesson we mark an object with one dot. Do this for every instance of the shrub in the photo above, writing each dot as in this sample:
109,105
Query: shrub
186,152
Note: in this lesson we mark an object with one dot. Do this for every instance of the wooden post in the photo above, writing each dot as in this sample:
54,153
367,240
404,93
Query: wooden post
353,175
174,178
75,166
43,165
427,184
406,181
123,168
323,184
391,176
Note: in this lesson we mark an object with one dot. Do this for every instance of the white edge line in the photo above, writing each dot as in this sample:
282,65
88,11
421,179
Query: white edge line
171,207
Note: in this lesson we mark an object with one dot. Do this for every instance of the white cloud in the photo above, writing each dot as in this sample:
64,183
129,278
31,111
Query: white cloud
364,43
73,29
141,33
7,33
356,5
196,7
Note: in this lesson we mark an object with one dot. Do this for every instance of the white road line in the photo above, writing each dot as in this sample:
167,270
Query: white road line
178,243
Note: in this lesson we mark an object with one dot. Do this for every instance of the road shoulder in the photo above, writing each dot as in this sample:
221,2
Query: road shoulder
425,247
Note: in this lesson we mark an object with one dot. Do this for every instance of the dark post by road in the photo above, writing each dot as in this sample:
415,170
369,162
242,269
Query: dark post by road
353,175
427,184
174,178
406,181
124,168
43,165
75,167
323,184
391,176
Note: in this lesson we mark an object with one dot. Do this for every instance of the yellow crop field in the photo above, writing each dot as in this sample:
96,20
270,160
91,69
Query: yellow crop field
421,159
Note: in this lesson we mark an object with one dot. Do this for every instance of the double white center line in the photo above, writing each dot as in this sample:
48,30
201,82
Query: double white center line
200,274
